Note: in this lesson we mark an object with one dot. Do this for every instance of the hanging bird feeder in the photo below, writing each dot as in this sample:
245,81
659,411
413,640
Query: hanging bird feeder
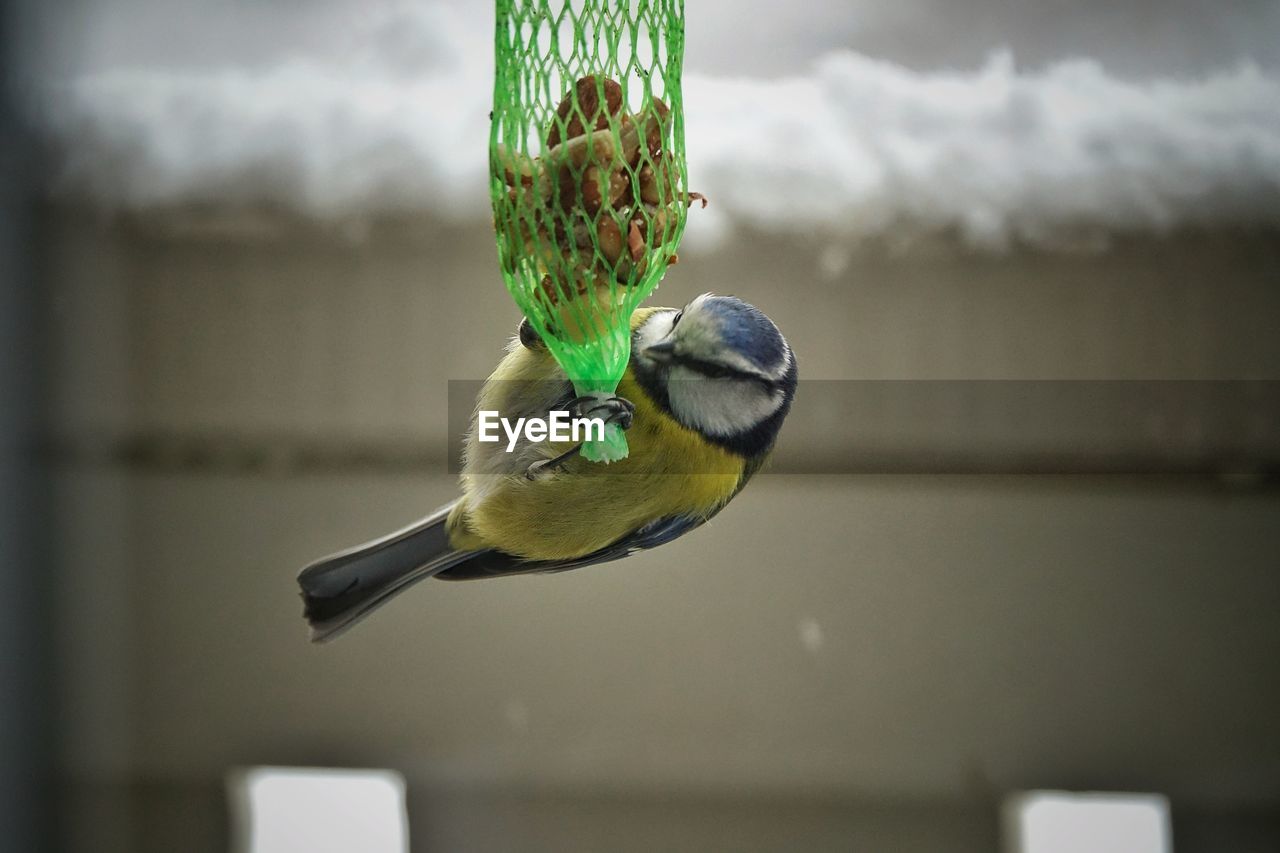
587,175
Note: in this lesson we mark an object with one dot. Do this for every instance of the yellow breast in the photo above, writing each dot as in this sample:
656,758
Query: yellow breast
671,470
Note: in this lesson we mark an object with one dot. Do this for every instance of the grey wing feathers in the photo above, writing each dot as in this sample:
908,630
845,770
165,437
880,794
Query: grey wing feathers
488,564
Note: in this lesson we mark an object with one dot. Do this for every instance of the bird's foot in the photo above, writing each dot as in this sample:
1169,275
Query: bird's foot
529,337
612,410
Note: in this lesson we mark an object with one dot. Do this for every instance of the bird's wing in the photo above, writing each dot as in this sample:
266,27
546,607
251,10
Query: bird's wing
488,564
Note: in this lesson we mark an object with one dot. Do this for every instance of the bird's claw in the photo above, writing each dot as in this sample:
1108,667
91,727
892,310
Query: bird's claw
612,410
546,467
529,337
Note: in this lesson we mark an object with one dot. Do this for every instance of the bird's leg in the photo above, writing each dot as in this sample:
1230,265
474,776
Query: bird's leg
545,468
612,410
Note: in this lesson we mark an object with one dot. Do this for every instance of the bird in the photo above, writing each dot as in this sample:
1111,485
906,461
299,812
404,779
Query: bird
704,396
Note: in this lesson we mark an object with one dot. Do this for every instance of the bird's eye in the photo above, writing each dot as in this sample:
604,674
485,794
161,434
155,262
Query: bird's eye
676,319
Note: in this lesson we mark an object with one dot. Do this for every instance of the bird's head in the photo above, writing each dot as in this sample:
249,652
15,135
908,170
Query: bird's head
722,368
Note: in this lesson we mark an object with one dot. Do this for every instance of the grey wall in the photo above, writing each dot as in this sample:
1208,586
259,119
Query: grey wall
237,398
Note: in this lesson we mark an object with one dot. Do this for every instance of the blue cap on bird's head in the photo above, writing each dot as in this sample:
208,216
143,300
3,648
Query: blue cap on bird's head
722,368
717,336
745,329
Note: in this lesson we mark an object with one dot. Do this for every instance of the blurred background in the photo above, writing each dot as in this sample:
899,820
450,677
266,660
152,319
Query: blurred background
1022,528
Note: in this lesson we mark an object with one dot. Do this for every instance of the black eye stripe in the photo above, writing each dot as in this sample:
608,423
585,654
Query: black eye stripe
708,369
676,319
712,370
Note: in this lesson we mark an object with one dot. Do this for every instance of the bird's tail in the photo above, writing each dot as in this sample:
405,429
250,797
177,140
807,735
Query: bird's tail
340,590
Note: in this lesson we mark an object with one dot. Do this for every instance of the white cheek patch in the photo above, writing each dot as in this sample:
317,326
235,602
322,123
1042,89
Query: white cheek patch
654,330
719,407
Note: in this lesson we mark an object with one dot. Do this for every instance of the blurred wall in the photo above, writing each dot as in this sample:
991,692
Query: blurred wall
838,661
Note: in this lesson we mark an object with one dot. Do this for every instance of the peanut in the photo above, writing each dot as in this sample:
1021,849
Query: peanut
580,109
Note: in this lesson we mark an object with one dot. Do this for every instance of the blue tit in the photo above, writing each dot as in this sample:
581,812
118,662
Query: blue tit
704,396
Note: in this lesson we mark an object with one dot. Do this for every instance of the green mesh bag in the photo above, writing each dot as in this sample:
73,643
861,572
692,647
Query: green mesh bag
587,168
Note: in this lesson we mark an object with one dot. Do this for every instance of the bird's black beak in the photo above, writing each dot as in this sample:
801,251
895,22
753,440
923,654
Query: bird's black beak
663,352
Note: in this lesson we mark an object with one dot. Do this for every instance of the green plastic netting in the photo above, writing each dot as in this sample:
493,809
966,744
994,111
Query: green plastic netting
587,165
